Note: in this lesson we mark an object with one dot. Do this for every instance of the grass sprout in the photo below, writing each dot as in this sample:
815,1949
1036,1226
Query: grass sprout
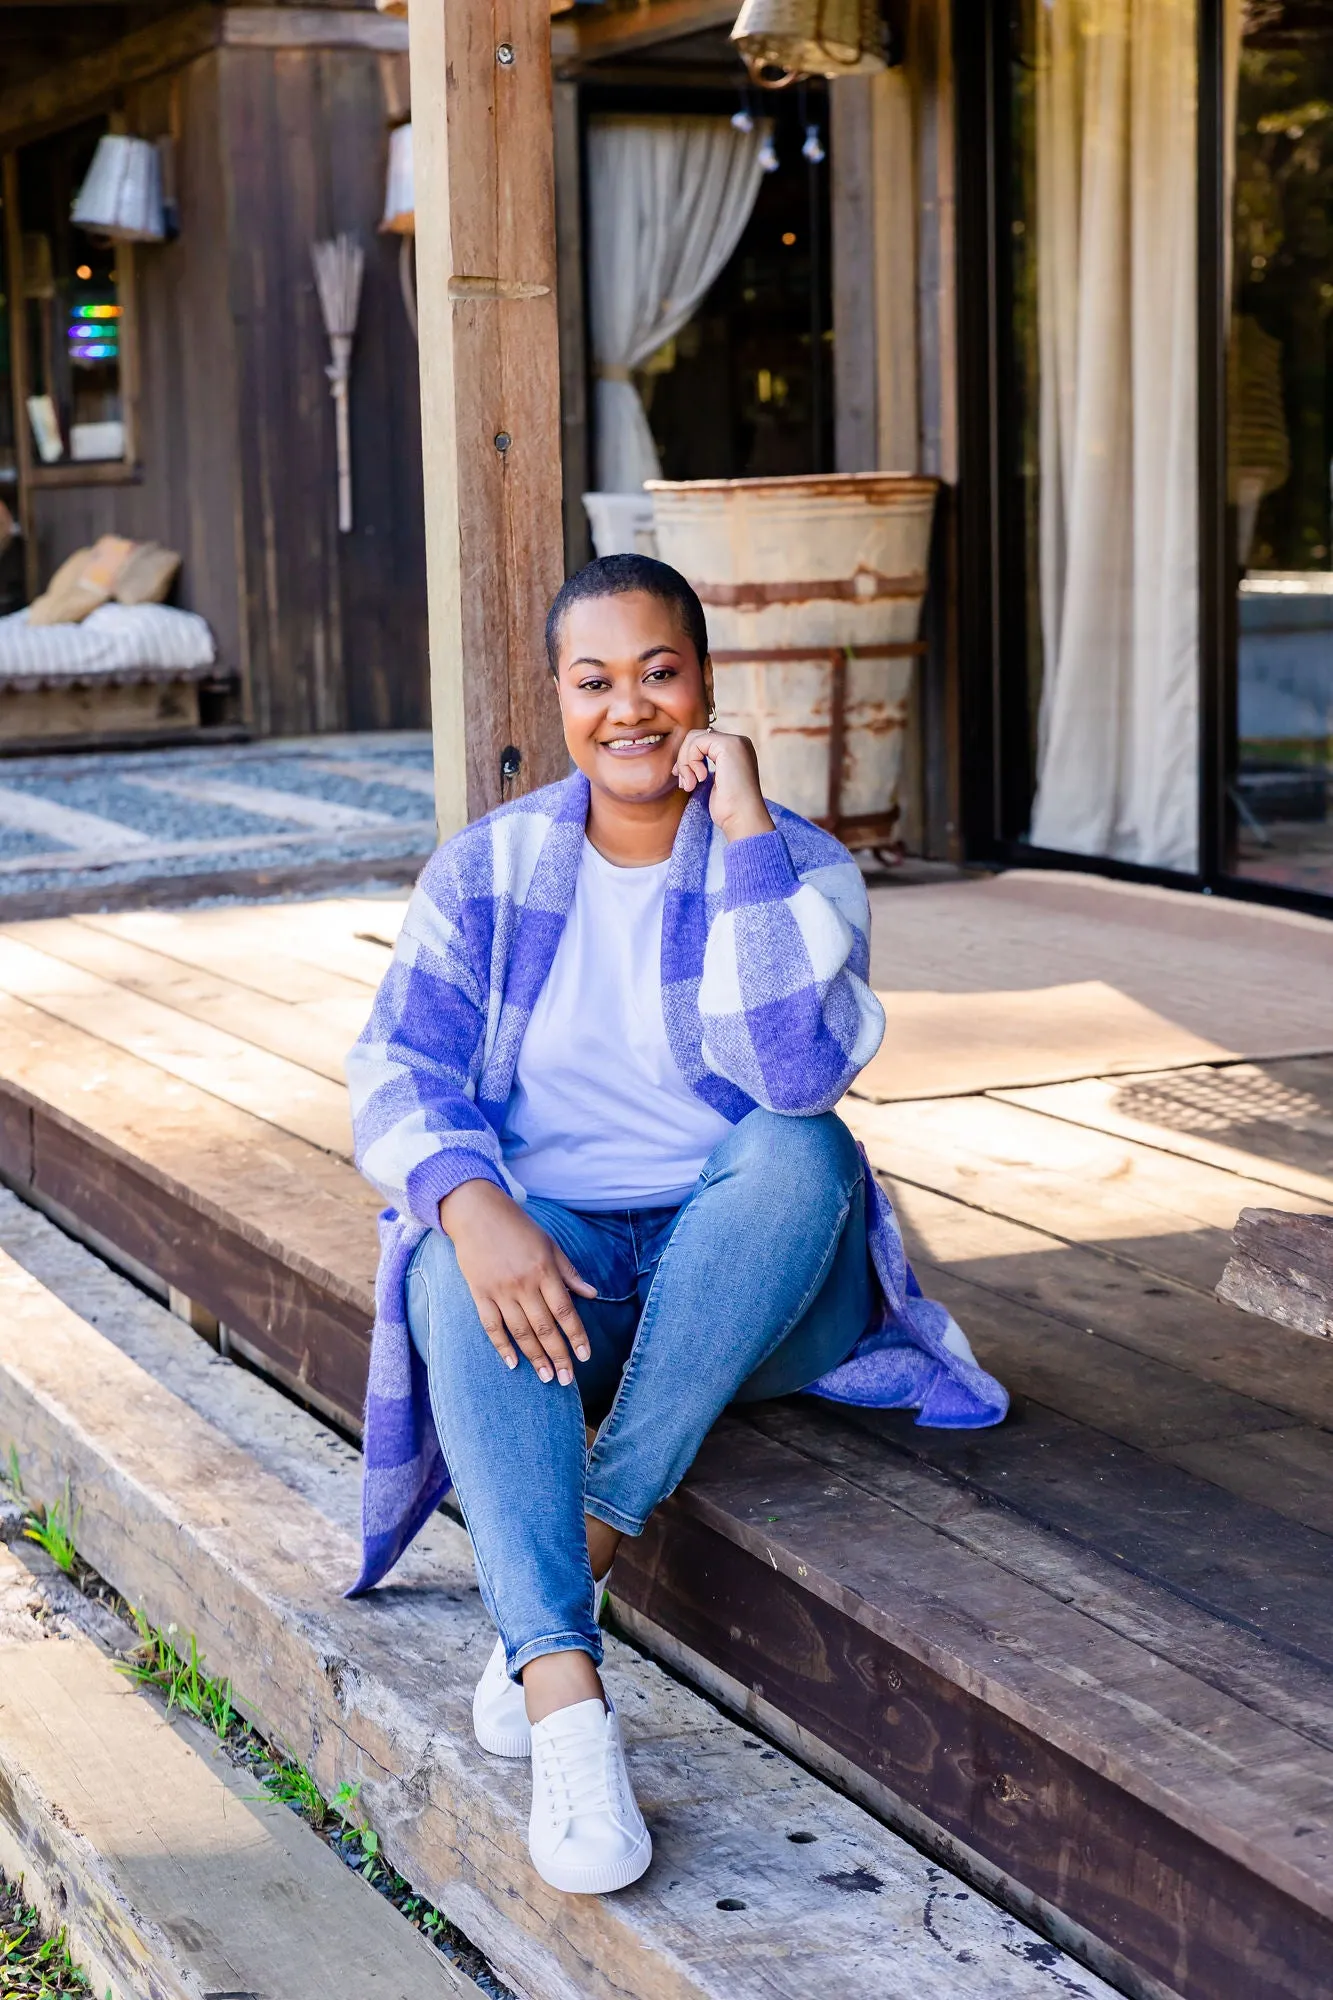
13,1472
33,1965
179,1678
53,1528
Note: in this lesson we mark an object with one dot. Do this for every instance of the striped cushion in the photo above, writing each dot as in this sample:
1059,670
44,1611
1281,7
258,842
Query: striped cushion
119,643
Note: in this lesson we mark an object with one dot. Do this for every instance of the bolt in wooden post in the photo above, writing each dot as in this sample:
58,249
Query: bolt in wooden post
490,369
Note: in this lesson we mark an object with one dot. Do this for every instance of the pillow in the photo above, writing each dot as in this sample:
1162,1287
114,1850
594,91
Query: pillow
67,599
69,572
109,555
147,576
69,605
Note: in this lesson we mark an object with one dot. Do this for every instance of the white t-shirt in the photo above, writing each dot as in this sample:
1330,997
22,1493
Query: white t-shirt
599,1115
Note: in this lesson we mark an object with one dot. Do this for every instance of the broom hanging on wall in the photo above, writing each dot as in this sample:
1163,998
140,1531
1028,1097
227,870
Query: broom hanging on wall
339,263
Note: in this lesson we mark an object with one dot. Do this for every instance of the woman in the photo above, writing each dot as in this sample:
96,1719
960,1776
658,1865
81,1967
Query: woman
598,1087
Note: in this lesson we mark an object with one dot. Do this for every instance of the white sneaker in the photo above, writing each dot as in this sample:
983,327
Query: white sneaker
499,1716
585,1834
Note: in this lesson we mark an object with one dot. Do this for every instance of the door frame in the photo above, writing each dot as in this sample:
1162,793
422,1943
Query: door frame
994,755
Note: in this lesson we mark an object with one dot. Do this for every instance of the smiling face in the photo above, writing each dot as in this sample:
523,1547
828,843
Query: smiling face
631,688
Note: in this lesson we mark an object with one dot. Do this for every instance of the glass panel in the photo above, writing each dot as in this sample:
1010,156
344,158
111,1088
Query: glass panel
1280,442
72,309
11,548
1104,278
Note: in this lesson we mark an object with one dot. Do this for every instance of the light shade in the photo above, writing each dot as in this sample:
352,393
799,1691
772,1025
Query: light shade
809,38
122,193
399,198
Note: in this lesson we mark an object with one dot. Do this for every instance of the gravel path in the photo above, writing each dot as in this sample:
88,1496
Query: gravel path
155,826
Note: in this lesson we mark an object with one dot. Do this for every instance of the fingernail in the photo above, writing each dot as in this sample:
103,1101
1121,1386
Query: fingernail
545,1374
584,1353
510,1360
566,1376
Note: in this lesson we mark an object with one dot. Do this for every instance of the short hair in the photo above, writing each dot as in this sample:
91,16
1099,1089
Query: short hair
616,576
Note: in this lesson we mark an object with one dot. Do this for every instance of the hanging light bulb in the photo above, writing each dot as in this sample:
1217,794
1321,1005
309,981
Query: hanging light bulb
768,154
813,148
743,120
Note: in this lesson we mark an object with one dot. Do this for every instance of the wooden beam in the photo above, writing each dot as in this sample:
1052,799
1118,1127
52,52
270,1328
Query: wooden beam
573,339
313,28
92,79
616,31
70,88
490,392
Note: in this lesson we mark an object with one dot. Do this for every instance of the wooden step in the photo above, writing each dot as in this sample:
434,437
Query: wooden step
172,1876
1086,1656
766,1883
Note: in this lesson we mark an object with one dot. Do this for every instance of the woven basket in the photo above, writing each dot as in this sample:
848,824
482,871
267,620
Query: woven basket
810,37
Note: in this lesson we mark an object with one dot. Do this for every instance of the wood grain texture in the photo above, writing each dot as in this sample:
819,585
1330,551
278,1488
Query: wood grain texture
843,1615
1270,1122
488,287
378,1693
1283,1269
1117,1195
173,1877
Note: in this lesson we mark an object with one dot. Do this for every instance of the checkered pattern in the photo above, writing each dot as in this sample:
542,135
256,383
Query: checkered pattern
765,958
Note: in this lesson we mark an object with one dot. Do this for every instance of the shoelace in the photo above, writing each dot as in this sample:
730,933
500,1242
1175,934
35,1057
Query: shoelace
574,1774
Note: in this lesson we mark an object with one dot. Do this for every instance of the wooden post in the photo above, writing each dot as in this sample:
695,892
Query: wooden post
876,334
490,391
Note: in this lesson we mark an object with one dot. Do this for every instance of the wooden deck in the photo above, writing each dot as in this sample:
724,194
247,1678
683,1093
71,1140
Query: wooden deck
1087,1656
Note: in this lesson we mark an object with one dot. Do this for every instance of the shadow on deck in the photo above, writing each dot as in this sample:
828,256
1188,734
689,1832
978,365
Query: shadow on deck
1087,1657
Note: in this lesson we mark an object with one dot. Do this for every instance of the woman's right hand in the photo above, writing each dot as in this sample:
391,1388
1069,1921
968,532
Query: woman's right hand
519,1279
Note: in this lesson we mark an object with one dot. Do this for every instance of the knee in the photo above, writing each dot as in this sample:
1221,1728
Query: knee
804,1154
435,1285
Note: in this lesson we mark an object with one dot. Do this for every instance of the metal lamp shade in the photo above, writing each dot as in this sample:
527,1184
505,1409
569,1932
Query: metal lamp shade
399,199
810,37
122,192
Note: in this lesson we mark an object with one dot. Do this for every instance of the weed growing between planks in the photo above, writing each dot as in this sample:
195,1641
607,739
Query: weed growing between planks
182,1682
33,1964
160,1666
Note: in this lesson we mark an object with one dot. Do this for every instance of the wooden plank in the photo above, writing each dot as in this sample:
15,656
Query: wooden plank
294,1100
574,443
490,391
940,1044
1200,1340
172,1876
180,937
618,32
351,937
313,1034
882,1458
1155,1210
852,198
1085,1772
1240,977
378,1693
286,27
296,878
61,94
1271,1122
274,1237
1283,1269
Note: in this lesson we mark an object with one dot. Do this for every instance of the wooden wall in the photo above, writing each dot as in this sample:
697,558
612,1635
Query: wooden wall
277,147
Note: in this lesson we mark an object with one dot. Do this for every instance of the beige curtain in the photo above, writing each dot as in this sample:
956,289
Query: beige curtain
1118,744
668,199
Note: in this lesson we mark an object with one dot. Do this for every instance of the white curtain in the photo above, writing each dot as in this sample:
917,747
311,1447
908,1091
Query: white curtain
1118,746
668,199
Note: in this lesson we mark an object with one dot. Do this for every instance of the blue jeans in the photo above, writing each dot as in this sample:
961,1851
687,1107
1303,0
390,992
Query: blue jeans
754,1287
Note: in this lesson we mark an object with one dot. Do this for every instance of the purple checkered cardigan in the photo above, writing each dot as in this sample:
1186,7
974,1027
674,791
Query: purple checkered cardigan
765,958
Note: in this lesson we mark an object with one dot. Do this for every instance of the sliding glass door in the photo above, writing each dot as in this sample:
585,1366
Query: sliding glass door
1280,442
1103,277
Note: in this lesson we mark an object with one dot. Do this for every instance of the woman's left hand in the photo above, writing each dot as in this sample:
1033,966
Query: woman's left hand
737,804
